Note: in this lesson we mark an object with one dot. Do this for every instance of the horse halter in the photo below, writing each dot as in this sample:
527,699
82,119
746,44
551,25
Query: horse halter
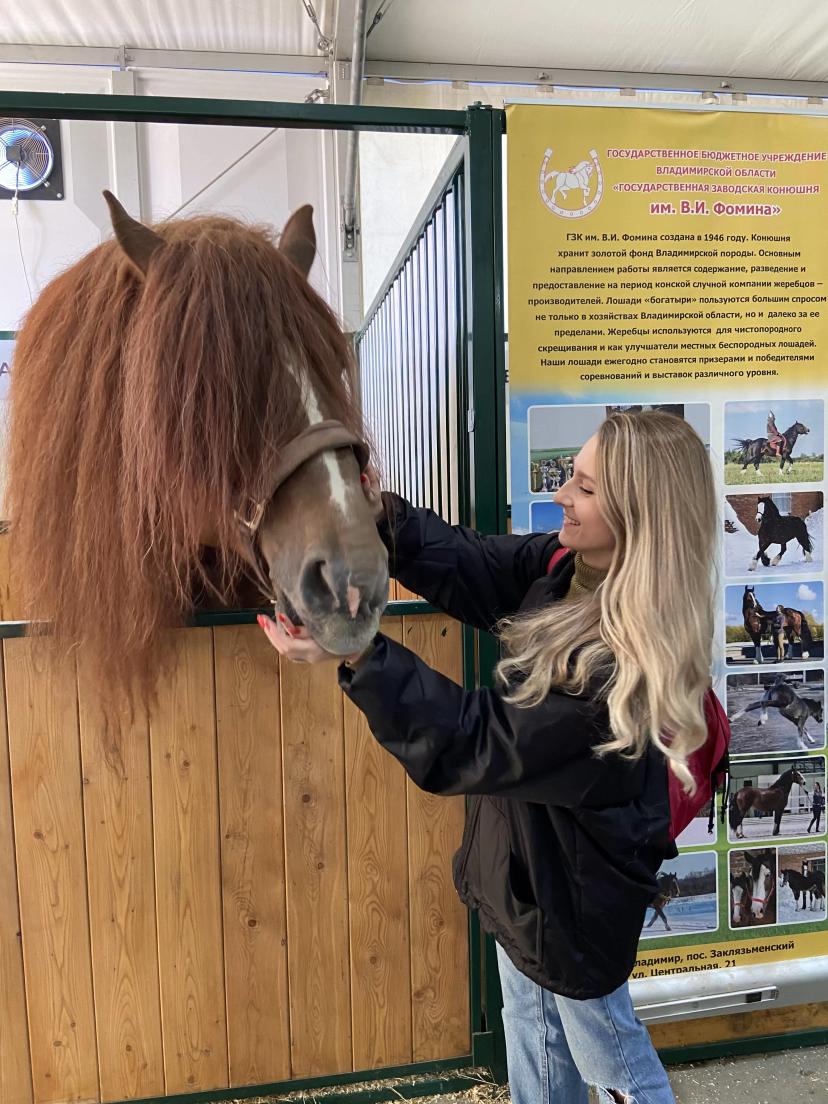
311,442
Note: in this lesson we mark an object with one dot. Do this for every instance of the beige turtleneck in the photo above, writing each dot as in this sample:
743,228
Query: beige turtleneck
586,579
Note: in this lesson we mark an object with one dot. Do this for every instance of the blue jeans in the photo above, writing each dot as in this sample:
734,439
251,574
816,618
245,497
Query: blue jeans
556,1047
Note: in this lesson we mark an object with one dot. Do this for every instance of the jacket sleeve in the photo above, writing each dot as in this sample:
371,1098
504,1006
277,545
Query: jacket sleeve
453,741
476,578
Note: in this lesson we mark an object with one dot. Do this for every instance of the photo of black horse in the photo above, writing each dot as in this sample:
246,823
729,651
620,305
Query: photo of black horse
776,712
755,450
774,530
801,884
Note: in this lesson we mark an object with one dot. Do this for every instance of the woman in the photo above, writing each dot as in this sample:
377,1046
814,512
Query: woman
775,439
817,807
566,759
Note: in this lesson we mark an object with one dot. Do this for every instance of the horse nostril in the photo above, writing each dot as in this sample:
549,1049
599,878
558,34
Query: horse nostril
316,584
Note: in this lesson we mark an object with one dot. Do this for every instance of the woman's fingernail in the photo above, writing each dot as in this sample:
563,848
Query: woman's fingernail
260,621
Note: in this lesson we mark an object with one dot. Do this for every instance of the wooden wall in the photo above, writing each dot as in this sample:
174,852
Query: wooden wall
238,888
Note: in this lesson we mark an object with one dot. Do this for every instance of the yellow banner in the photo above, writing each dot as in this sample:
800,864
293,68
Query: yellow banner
679,259
656,246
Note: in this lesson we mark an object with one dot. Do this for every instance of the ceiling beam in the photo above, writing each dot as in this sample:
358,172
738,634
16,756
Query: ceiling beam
130,57
590,78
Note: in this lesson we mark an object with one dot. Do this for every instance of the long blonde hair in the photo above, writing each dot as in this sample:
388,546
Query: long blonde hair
644,638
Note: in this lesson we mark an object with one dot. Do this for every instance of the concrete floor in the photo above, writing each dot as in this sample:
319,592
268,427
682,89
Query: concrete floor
789,1077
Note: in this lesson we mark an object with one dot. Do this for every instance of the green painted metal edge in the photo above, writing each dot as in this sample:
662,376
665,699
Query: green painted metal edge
455,1079
174,109
213,619
758,1044
487,407
8,335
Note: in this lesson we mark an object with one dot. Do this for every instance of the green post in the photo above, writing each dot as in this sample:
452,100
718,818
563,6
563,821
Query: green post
487,425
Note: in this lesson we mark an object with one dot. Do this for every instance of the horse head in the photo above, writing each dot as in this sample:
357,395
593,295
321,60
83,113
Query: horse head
799,428
761,877
216,407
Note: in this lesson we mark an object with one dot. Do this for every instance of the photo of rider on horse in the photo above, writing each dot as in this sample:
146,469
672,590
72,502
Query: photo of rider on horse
791,449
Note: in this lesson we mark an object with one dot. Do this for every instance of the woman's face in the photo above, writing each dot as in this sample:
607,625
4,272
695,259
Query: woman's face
584,528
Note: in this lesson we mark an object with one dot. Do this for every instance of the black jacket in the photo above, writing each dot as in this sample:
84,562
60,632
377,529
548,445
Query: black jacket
561,847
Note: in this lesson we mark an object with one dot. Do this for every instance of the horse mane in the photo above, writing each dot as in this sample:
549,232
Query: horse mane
142,411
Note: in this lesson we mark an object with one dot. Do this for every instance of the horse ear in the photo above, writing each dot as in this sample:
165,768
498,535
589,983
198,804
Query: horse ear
298,240
137,241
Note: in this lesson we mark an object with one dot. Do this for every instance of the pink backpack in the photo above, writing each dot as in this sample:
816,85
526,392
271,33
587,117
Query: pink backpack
708,764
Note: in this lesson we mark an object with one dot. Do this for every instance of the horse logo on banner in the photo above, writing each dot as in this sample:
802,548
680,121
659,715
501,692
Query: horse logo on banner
585,178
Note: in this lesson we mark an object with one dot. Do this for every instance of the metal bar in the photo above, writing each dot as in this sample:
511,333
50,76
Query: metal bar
352,146
592,78
117,57
165,109
485,281
10,630
441,185
756,1044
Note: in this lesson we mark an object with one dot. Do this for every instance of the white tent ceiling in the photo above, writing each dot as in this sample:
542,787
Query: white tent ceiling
747,38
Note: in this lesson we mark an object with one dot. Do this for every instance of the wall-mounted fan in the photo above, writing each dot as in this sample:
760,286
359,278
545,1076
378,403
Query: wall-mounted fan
31,162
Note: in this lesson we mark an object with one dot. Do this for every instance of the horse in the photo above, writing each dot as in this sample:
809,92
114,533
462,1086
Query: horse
798,710
759,622
772,800
753,450
185,425
576,178
777,528
813,883
668,888
752,889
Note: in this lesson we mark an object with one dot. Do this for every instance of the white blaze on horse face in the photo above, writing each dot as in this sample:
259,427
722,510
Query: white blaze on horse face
339,488
738,892
761,889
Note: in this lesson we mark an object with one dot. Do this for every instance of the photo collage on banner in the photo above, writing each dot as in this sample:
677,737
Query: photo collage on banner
677,260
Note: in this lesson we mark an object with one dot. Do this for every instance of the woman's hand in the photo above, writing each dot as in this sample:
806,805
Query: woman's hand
292,641
295,643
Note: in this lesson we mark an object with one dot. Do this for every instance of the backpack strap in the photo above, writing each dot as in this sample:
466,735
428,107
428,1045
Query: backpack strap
556,558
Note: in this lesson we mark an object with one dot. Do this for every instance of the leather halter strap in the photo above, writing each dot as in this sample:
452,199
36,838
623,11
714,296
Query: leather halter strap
311,442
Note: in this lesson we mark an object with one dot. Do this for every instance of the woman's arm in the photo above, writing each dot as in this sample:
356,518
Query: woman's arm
453,741
475,578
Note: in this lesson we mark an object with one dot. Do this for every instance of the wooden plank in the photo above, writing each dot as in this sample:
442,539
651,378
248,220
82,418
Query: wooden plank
41,693
439,922
316,869
253,856
15,1067
187,866
741,1025
118,822
378,892
9,602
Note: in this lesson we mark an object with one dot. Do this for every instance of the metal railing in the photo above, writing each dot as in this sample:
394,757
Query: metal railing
412,354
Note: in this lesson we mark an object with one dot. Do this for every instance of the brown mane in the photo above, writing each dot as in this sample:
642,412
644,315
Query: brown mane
141,411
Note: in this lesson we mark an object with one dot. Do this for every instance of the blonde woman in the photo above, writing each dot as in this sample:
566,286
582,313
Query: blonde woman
567,759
